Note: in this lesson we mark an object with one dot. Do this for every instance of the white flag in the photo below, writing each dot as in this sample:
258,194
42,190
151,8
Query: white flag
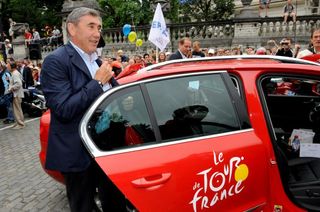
159,34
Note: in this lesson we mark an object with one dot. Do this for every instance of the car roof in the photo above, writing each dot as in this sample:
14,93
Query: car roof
238,62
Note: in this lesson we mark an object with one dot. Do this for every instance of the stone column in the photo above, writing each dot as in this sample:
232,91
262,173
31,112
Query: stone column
18,43
247,26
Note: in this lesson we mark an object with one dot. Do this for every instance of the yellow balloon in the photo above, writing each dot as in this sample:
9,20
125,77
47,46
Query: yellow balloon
132,36
139,42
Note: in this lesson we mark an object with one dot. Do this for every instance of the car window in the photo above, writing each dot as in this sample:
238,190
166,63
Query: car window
121,120
192,106
291,86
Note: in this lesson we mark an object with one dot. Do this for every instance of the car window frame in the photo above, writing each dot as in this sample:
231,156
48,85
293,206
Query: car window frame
237,103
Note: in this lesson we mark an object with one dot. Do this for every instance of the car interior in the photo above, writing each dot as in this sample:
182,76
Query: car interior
293,104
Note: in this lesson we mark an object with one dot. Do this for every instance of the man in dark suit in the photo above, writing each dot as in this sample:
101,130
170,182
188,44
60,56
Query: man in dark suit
26,72
184,50
71,80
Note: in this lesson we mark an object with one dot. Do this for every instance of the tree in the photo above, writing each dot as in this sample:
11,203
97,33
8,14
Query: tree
120,12
37,13
206,10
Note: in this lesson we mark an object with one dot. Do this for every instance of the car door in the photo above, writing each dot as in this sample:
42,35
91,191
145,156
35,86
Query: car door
193,148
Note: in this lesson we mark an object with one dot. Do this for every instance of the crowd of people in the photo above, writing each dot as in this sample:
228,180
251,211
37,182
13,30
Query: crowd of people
124,65
15,76
50,37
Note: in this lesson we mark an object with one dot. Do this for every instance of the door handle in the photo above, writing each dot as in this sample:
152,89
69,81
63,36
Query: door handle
151,181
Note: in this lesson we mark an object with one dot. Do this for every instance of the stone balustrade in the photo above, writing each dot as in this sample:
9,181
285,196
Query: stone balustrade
247,32
242,31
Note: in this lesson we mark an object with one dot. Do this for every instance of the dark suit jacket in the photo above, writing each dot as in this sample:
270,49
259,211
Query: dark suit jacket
69,90
175,56
27,77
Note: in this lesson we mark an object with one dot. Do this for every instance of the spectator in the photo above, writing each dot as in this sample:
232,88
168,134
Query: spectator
285,49
261,51
162,57
196,53
5,96
35,75
227,52
289,11
116,68
147,59
211,53
26,73
236,50
54,39
131,61
27,37
123,57
314,45
249,50
220,51
184,50
47,31
264,4
138,60
9,48
272,47
15,87
35,36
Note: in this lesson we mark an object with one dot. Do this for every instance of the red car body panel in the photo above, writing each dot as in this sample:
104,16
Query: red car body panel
44,132
210,180
144,181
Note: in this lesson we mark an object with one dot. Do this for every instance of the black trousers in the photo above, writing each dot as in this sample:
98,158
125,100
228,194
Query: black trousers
82,186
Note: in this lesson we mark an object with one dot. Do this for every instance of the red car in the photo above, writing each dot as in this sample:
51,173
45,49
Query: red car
210,134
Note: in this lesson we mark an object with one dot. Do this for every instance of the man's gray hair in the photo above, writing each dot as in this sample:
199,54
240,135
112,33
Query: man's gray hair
76,14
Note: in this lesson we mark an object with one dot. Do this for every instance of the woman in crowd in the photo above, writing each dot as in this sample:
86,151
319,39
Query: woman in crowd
162,57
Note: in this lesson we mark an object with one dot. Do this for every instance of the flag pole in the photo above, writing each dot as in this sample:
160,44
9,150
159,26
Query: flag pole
157,55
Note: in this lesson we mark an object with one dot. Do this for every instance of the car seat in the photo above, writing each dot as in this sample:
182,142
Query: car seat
301,176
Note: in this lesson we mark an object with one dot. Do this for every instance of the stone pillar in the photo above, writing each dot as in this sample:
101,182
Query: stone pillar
69,5
247,27
18,43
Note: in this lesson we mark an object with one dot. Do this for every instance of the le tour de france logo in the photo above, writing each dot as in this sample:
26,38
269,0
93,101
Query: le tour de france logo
221,181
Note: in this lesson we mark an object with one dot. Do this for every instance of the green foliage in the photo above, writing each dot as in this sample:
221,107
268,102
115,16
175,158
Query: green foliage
37,13
120,12
173,14
206,10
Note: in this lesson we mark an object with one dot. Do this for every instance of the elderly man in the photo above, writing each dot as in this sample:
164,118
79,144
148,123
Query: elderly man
72,77
184,50
315,45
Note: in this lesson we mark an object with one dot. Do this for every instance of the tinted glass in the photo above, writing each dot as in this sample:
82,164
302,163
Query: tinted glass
121,120
192,106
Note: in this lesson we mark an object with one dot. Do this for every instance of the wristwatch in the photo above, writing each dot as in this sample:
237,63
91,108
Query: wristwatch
100,83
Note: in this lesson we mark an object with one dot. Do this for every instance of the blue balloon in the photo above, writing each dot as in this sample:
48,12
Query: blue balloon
126,29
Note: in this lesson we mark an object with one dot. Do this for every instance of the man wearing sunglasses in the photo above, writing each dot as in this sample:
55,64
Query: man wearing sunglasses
285,48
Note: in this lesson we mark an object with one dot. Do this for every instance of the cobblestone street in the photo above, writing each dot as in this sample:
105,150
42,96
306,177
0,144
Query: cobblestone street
24,186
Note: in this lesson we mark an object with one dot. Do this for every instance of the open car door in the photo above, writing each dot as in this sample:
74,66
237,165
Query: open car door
191,149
